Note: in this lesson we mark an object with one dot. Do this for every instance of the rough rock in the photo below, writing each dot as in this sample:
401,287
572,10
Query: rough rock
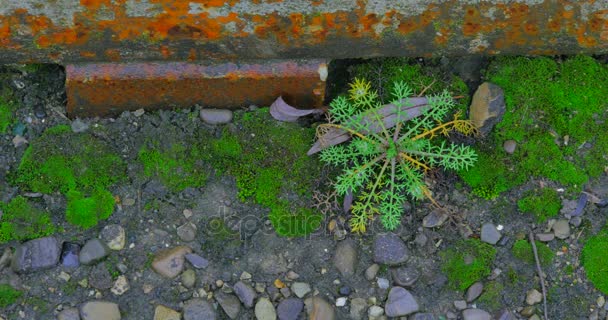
375,312
460,304
489,233
114,236
121,285
229,303
345,258
79,126
163,313
197,261
383,283
533,297
245,293
69,255
545,237
390,249
487,107
319,309
423,316
69,314
400,302
196,309
358,306
93,251
99,310
187,232
188,278
371,271
300,289
509,146
434,219
290,309
341,302
507,315
476,314
216,116
474,291
561,229
35,255
170,262
100,277
264,310
405,276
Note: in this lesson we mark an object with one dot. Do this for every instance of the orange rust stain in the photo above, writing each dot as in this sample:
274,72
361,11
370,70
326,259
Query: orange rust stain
166,52
531,28
470,28
568,14
297,20
554,25
368,21
192,54
88,54
407,26
442,37
112,54
43,41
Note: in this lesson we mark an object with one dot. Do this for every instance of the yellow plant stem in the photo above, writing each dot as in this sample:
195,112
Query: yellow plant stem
443,126
353,132
414,161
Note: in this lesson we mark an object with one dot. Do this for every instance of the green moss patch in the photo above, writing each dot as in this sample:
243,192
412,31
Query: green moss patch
7,110
594,260
466,262
490,299
21,221
522,250
79,166
543,204
8,295
556,112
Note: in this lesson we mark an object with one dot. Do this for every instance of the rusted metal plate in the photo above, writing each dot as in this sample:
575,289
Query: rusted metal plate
109,88
67,31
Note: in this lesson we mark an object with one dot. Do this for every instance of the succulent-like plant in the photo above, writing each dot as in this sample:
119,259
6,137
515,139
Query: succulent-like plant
392,147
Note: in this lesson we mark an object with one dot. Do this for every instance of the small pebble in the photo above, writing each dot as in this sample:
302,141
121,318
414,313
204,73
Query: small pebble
341,302
509,146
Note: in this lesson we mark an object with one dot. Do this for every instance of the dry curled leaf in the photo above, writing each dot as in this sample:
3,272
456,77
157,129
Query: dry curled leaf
281,111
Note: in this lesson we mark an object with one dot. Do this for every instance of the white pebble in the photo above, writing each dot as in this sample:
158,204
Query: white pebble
341,302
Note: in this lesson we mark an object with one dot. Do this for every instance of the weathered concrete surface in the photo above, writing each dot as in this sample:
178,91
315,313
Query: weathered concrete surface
109,88
134,30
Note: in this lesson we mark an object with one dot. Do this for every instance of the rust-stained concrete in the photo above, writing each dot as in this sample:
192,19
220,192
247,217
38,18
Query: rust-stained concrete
67,31
109,88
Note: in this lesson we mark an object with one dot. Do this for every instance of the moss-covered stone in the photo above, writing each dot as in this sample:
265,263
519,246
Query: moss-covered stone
490,298
594,260
466,262
8,295
555,111
522,250
21,221
79,166
7,109
543,204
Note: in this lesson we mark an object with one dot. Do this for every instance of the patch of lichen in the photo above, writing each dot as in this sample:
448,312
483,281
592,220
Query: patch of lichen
268,159
522,250
7,110
556,112
21,221
79,166
384,73
543,204
594,260
466,262
177,165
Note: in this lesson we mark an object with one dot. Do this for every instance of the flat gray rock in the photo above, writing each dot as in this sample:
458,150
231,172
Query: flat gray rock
229,303
93,251
264,310
476,314
400,303
197,261
290,309
405,276
245,293
390,249
216,116
197,309
489,233
99,310
474,291
345,258
35,255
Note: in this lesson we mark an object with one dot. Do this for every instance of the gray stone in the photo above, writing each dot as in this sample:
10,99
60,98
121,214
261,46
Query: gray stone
507,315
264,310
69,314
489,233
229,303
383,283
319,309
216,116
400,302
476,314
375,312
100,277
197,309
300,289
371,271
460,304
533,297
245,293
509,146
197,261
576,221
79,126
405,276
35,255
434,219
114,236
389,249
487,107
290,309
170,263
99,310
187,232
422,316
358,306
163,313
188,278
545,237
561,229
93,251
345,258
474,291
121,285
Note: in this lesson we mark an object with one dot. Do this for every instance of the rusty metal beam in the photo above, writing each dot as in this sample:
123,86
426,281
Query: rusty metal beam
67,31
109,88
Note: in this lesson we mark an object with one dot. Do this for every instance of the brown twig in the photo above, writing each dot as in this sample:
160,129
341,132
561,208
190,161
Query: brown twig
540,273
